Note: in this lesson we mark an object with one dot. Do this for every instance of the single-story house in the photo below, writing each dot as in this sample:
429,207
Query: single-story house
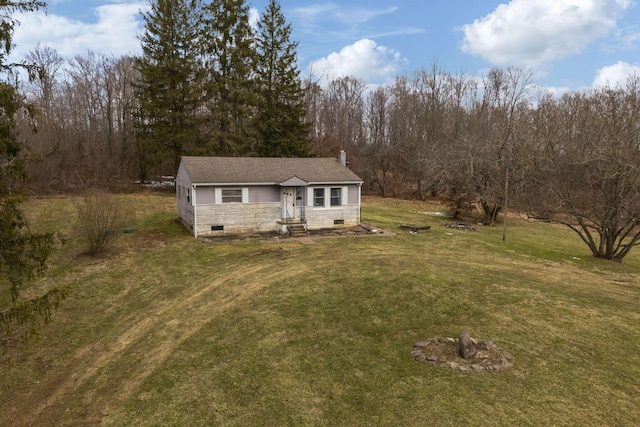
217,195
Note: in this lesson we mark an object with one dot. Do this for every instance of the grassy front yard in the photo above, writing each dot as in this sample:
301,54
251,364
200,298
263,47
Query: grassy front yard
169,330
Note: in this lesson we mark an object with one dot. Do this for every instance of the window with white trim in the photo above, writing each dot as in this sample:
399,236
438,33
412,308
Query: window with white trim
232,195
336,196
318,197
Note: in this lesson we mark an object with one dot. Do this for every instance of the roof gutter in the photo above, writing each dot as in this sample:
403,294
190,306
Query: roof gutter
335,182
236,184
227,184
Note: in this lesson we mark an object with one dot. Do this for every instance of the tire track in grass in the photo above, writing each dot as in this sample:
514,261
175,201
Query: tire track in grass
164,324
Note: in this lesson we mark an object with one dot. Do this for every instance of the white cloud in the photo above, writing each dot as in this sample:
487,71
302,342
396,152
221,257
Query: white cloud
364,59
254,17
615,75
534,33
115,32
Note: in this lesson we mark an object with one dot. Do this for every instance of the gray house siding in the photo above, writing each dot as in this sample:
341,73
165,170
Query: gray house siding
183,197
354,195
264,194
206,196
261,194
186,215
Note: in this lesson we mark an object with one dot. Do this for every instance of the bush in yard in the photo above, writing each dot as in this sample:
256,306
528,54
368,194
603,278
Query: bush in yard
101,218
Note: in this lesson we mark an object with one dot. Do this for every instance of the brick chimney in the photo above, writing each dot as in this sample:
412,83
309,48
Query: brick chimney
342,158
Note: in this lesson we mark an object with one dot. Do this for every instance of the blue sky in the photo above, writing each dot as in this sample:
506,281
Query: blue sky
567,44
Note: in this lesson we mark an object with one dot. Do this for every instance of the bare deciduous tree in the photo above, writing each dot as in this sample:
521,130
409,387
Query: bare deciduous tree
588,168
506,94
379,151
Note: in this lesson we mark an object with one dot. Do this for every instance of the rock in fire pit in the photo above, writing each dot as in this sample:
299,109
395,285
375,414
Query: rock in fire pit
463,354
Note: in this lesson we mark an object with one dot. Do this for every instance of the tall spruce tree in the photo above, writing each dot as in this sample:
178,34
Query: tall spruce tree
23,253
168,90
228,55
280,120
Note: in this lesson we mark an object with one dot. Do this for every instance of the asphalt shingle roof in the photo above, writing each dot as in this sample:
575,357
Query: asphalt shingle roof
229,170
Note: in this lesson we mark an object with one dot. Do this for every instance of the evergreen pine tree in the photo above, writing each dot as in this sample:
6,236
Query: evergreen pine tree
23,254
168,90
280,121
229,55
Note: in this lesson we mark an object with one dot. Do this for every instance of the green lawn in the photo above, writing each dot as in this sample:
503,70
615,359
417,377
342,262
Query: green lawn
168,330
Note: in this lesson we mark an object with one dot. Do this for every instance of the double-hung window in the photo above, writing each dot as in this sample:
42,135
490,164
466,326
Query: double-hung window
318,197
336,196
232,195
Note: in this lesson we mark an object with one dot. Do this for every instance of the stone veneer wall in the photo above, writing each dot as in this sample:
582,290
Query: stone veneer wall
237,218
262,217
324,218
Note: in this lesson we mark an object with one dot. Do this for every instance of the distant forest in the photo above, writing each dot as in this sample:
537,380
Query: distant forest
207,83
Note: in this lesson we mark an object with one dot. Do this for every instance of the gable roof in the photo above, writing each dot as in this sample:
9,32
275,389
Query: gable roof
266,170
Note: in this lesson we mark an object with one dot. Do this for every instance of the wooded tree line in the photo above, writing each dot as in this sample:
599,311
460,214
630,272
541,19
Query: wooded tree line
208,84
484,145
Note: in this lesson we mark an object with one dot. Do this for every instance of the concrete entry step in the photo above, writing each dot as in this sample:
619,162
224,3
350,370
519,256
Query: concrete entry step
297,229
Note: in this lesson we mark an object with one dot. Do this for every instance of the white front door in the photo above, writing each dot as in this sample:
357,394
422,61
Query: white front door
289,203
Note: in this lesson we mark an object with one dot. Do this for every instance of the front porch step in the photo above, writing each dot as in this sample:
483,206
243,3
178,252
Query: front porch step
296,229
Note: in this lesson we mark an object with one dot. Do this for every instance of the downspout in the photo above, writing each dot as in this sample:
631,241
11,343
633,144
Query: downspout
359,204
195,214
303,208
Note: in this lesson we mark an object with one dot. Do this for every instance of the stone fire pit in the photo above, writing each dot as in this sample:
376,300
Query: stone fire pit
463,353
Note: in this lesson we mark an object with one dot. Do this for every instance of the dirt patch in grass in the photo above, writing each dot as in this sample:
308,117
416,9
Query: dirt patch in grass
360,230
239,237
